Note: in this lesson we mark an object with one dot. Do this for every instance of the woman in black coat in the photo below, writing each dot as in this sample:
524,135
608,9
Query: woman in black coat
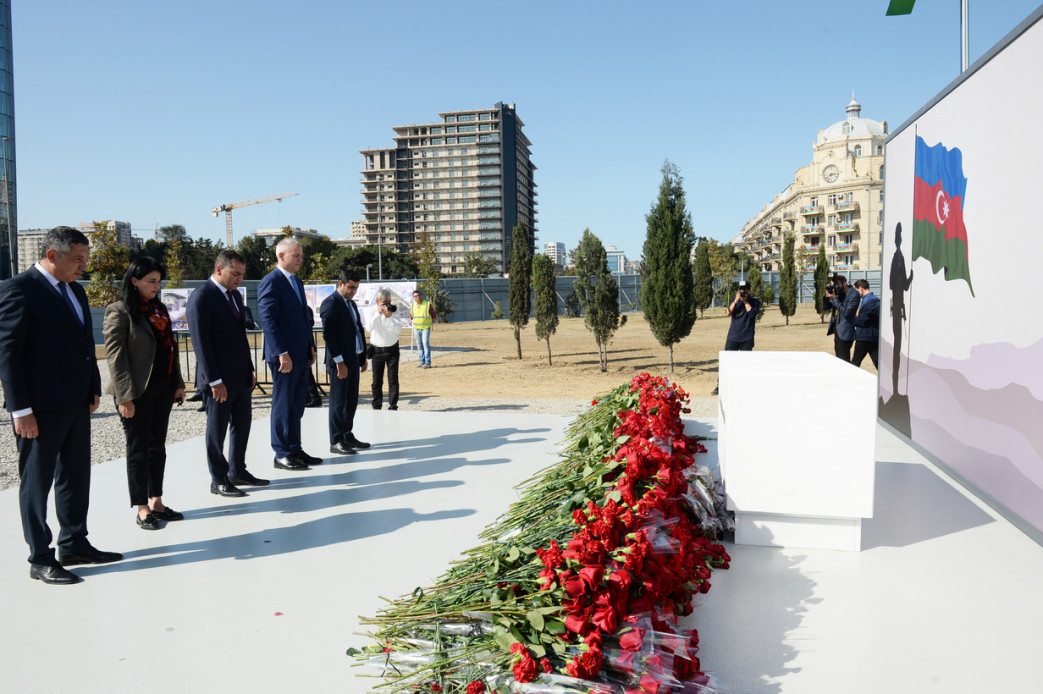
146,381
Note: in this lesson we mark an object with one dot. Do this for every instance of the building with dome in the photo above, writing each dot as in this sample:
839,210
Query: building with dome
837,200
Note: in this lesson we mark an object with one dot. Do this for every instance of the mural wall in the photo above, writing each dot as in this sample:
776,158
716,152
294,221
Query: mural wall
961,333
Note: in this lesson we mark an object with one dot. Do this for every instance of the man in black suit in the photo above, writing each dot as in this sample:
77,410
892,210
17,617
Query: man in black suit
345,356
52,386
217,326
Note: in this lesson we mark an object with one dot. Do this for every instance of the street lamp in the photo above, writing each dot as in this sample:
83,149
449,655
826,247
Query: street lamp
367,271
7,213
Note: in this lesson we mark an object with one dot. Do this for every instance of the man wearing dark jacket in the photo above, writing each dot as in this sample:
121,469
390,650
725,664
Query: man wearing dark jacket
843,301
52,386
867,325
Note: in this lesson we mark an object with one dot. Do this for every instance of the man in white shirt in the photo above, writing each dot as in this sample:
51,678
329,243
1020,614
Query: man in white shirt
384,328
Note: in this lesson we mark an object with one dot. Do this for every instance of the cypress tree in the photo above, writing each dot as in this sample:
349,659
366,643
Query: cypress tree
821,281
703,277
519,299
545,300
597,292
667,287
788,280
756,280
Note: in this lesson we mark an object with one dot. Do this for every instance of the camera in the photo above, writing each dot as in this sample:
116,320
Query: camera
834,288
391,308
743,294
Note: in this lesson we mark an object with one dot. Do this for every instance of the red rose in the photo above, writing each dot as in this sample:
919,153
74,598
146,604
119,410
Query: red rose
575,623
632,640
526,670
649,684
476,687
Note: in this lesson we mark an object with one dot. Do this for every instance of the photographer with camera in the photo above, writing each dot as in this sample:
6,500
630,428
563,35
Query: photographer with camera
384,328
843,302
743,311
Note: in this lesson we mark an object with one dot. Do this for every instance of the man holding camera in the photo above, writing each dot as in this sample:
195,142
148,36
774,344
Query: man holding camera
843,302
743,311
384,328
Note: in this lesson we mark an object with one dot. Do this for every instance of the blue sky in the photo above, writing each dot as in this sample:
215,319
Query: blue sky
155,112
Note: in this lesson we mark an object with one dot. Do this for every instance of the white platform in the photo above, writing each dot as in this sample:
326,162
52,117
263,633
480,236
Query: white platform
796,442
263,594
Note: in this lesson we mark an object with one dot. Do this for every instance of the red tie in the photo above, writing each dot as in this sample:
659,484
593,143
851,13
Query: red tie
231,300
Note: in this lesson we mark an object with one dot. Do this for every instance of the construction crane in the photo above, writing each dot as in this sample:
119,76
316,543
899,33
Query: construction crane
227,209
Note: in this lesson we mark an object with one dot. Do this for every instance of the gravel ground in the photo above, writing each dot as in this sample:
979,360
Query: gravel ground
108,442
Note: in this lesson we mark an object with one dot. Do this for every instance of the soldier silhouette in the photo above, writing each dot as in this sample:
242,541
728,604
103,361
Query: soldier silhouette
899,284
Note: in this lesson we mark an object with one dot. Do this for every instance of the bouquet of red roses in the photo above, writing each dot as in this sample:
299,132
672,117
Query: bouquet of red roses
579,586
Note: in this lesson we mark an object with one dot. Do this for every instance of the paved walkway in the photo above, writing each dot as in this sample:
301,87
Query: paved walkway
262,594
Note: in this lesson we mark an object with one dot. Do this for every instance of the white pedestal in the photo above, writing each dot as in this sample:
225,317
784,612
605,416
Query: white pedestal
796,443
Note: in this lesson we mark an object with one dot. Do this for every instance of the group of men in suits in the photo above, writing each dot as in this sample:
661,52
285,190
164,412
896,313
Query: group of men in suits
52,384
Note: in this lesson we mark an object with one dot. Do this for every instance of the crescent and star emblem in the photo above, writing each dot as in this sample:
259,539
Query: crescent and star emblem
941,207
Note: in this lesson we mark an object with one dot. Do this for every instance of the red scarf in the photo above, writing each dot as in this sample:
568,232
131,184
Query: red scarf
160,322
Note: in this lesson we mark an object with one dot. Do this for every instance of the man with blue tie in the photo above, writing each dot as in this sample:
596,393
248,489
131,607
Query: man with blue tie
345,357
289,351
52,386
224,373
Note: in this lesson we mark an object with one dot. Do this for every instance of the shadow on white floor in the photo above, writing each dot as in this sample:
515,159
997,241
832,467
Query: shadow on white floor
263,593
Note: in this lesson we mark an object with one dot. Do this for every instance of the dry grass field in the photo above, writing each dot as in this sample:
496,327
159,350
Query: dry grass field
488,367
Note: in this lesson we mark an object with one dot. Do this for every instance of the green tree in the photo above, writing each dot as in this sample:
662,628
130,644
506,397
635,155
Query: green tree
172,232
545,300
519,298
258,256
175,278
821,281
497,311
597,292
317,255
198,257
769,295
477,265
756,280
788,280
107,264
427,263
703,290
667,286
722,269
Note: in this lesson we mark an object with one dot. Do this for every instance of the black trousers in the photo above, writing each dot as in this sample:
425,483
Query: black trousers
235,414
385,356
862,348
60,455
147,444
842,348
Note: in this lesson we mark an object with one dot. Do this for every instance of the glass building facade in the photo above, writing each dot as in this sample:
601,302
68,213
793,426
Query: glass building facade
8,196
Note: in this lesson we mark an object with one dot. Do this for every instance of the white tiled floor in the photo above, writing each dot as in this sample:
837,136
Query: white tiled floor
262,594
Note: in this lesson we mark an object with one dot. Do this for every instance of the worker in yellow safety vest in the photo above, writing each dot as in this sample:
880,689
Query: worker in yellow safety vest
423,315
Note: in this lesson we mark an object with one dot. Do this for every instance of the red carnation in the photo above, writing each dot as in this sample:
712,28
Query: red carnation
545,664
476,687
526,670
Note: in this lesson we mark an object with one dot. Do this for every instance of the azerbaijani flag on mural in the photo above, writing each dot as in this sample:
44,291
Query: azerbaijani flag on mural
938,231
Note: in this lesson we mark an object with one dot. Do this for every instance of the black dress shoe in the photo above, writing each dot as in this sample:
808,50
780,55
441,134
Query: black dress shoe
308,459
355,443
168,514
195,397
91,555
248,480
314,402
340,449
393,407
149,522
291,462
52,574
201,408
227,489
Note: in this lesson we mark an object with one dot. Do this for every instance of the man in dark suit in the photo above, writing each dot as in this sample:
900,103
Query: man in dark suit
345,357
216,321
289,351
52,386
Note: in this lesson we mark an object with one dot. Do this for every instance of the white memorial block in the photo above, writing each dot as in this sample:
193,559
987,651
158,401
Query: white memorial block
797,448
